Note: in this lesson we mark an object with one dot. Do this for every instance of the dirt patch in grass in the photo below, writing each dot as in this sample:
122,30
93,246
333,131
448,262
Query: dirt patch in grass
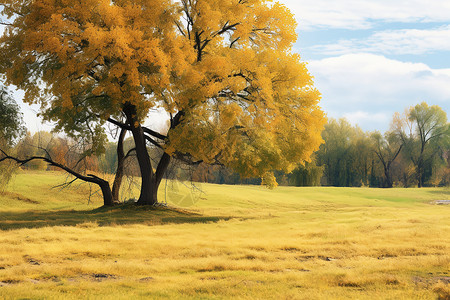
441,202
6,282
17,196
100,276
31,260
146,279
431,280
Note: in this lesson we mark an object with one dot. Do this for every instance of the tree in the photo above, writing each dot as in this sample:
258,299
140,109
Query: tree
307,175
223,73
345,155
428,128
11,120
387,148
33,145
11,129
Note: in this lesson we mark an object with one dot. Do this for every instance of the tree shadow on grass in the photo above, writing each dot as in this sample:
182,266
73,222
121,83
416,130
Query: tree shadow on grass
103,216
441,192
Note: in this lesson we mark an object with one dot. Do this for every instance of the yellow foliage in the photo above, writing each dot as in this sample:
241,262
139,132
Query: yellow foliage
248,101
269,180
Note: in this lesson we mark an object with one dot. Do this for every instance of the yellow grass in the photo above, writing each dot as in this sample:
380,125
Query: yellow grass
240,242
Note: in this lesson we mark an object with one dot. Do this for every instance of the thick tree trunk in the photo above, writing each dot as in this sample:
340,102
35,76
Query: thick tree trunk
148,194
150,180
120,167
387,174
389,183
420,181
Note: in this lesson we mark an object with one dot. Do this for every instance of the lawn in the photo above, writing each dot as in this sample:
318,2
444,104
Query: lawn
240,242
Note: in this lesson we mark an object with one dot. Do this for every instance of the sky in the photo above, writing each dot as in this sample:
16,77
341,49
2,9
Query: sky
372,58
369,58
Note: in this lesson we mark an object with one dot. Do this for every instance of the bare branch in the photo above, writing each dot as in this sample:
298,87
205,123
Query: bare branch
129,153
180,29
65,184
149,139
119,124
154,133
225,28
89,178
234,41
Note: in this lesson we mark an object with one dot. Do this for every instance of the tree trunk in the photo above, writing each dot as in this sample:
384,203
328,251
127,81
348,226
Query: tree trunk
150,180
148,194
387,174
420,172
120,167
420,182
389,183
108,199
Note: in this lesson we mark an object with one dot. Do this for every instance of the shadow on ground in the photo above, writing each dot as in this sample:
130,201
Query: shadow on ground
103,216
443,192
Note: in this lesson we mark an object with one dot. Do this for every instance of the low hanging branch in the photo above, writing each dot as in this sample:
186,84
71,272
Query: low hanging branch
103,184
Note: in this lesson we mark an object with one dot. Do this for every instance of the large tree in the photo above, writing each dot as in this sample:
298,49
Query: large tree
345,155
387,148
223,73
422,130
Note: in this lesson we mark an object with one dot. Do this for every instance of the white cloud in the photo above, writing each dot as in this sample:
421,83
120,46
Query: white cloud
360,14
367,86
406,41
367,120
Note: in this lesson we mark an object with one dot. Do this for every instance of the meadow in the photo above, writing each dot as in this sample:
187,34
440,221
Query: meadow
233,242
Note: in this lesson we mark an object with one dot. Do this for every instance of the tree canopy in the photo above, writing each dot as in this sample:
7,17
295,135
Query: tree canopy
222,71
11,129
423,130
11,120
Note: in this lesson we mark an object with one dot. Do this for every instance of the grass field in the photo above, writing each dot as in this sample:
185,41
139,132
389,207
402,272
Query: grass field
236,242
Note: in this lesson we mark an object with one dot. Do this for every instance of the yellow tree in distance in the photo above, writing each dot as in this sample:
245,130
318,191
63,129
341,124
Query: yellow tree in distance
223,71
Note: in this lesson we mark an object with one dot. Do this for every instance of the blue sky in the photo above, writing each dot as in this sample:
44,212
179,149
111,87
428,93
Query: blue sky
369,58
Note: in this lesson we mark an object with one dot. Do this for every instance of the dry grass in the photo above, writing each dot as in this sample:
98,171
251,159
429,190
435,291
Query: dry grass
239,242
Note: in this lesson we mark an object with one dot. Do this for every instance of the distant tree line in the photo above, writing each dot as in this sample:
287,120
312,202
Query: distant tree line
413,152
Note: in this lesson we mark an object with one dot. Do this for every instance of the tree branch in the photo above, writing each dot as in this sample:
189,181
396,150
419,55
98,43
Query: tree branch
154,133
88,178
225,28
119,124
149,139
129,153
